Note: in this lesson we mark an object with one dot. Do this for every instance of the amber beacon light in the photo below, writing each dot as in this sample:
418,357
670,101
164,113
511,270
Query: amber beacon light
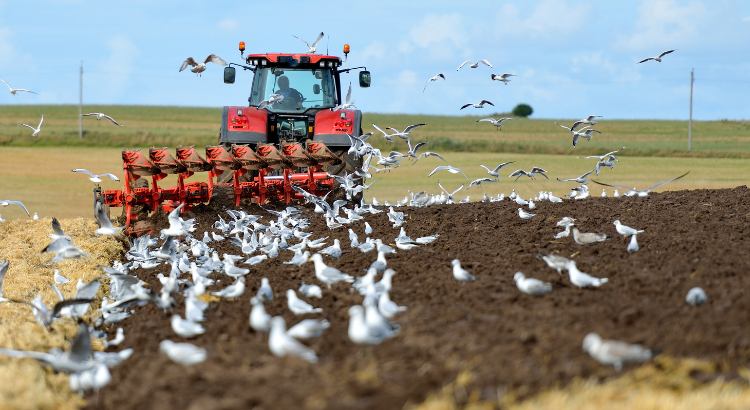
242,48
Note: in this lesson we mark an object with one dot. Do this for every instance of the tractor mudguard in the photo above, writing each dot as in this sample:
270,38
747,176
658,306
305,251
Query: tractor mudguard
244,125
331,128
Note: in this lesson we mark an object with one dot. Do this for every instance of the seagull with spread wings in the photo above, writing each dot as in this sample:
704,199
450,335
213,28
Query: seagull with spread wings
657,58
6,202
504,78
497,123
38,129
452,170
405,133
15,90
581,180
201,67
100,115
641,192
605,156
494,172
95,178
314,45
435,78
480,105
520,173
475,65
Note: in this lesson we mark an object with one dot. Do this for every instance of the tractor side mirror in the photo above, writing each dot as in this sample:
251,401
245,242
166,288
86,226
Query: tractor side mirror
229,74
364,79
316,88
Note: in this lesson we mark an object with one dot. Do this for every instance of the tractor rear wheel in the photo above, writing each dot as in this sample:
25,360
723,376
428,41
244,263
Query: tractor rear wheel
222,196
349,164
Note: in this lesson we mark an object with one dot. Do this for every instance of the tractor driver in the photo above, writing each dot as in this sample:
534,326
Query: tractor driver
292,97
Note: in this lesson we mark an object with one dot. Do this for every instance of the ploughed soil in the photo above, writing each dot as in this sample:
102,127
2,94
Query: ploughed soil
509,341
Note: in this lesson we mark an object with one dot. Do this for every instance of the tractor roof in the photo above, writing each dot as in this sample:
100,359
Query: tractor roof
295,57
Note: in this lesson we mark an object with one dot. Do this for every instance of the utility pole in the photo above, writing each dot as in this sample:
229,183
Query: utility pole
80,103
690,121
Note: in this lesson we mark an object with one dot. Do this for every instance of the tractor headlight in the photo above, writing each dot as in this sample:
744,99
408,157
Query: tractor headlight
330,64
264,62
322,64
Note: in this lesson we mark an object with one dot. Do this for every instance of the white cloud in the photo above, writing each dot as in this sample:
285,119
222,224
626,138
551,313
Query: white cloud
665,23
229,25
118,69
549,19
439,29
375,50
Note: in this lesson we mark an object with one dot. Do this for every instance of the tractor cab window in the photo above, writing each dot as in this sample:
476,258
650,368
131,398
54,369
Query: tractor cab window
301,88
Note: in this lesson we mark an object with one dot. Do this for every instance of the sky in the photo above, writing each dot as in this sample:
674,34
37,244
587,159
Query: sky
571,58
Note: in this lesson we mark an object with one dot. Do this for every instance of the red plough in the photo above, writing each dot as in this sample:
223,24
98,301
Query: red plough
250,179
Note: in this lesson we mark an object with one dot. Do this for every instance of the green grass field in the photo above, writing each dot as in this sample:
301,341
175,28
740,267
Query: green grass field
171,126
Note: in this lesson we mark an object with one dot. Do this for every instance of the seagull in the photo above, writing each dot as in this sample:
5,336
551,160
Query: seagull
524,215
201,67
657,58
642,192
272,99
60,279
36,130
265,293
327,274
362,333
475,65
15,90
95,178
232,291
260,321
625,230
479,181
519,173
589,238
6,202
586,121
3,272
452,170
494,172
555,262
175,224
405,133
100,115
450,194
347,101
428,154
613,352
460,273
314,44
503,78
581,279
480,105
581,180
439,75
46,316
297,305
584,133
311,291
186,328
183,353
388,308
633,245
308,328
695,297
610,155
75,360
64,249
58,231
497,123
281,344
531,286
105,225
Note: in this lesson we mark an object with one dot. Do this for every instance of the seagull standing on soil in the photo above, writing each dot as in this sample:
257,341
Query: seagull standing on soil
460,273
581,279
327,274
497,123
15,90
297,305
439,75
186,328
504,78
625,230
201,67
38,129
588,238
657,58
524,215
475,65
314,45
613,352
695,297
183,353
281,344
480,105
100,115
96,178
531,286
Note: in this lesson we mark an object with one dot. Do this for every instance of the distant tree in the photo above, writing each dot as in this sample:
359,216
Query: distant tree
522,110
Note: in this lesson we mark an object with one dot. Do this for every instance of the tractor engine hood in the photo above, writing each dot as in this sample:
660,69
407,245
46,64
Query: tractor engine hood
331,127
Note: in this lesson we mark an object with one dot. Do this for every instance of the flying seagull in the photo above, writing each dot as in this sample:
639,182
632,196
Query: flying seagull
584,133
603,157
405,133
347,102
480,105
497,123
314,45
581,180
536,170
100,115
201,67
475,65
439,75
494,172
95,178
6,202
503,78
657,58
586,121
36,130
641,192
452,170
15,90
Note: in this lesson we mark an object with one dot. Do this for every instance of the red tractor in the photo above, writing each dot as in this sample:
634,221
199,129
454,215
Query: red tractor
293,132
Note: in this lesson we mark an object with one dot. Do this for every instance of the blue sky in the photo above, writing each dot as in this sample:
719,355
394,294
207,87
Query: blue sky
571,58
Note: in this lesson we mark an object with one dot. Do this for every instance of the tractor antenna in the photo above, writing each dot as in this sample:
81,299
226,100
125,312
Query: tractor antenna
328,40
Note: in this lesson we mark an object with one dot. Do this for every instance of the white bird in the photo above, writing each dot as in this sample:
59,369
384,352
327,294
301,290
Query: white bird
100,115
232,291
581,279
201,67
479,105
387,307
460,273
360,333
265,293
186,328
15,90
439,75
299,306
333,251
586,121
347,101
497,123
260,321
657,58
535,170
314,45
475,65
588,238
480,181
311,291
452,170
524,215
616,194
59,279
327,274
35,217
175,224
625,230
641,192
308,328
604,193
95,178
38,129
613,352
368,228
185,354
583,179
281,344
555,262
633,245
194,307
299,259
695,297
531,286
504,78
6,202
105,225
